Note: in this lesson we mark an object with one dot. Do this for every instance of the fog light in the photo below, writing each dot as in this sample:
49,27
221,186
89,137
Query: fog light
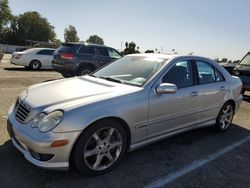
40,156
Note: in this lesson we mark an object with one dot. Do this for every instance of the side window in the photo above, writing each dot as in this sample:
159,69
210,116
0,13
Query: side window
207,73
45,52
86,50
218,76
180,74
114,54
100,51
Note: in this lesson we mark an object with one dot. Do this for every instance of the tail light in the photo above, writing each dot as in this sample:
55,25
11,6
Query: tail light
67,56
18,56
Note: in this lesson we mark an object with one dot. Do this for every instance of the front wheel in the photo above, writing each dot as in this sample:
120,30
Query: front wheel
225,117
100,147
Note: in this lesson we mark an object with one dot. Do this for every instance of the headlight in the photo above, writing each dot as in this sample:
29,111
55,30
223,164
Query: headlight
236,73
47,122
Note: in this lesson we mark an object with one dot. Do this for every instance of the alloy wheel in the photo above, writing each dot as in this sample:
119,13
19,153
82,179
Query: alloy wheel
85,71
103,148
226,116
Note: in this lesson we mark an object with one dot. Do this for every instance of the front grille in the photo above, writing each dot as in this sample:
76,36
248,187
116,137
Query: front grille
21,111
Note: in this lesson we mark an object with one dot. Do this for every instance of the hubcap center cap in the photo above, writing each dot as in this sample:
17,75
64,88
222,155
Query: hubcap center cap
103,148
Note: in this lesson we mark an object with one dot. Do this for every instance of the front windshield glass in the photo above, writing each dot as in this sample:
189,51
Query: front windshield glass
246,60
131,70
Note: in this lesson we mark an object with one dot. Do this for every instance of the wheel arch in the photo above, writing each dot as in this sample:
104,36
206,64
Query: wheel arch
118,119
232,102
35,60
83,64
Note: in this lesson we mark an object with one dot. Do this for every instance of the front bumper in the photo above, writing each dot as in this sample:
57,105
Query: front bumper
29,140
246,82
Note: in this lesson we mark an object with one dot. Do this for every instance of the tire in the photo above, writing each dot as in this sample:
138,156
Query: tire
100,148
225,117
84,70
66,75
35,65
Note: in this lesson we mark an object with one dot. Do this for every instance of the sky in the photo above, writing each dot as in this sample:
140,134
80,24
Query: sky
211,28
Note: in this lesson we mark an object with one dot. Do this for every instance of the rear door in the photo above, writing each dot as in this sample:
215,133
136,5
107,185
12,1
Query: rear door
45,57
101,56
211,91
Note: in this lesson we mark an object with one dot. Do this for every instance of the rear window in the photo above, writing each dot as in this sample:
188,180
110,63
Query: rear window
68,47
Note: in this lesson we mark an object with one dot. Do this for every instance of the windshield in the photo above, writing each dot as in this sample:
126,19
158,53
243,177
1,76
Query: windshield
246,60
131,70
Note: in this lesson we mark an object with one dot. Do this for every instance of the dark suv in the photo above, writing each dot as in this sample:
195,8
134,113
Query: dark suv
242,70
75,59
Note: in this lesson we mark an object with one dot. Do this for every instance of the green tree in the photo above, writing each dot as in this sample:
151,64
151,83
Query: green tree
5,17
130,48
32,26
95,39
70,34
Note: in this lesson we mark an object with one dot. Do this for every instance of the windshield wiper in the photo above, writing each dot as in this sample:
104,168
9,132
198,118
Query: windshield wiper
111,79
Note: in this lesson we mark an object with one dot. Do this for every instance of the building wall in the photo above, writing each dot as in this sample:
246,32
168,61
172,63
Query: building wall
8,49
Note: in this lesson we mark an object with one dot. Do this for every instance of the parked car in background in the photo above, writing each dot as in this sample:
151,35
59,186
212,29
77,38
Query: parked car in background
93,120
242,70
75,59
21,49
34,58
228,66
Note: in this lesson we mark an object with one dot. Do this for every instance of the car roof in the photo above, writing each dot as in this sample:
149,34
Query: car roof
167,56
37,49
84,43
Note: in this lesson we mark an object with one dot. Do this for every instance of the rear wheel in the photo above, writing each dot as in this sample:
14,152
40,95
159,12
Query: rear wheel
35,65
225,117
100,148
66,75
85,70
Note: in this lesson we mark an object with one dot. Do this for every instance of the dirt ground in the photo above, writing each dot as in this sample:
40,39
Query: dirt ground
139,168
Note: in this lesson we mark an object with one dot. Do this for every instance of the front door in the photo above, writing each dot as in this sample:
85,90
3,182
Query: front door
172,112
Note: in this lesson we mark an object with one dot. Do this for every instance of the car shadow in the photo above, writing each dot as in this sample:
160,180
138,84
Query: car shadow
246,98
137,169
26,69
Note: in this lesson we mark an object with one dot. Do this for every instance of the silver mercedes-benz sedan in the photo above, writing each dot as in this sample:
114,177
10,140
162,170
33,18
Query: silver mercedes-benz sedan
139,99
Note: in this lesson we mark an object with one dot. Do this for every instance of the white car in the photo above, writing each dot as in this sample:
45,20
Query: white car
34,58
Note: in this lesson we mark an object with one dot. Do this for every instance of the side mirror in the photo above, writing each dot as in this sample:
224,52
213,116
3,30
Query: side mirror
165,88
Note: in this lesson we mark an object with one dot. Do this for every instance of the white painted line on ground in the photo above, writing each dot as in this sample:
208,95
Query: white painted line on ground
194,165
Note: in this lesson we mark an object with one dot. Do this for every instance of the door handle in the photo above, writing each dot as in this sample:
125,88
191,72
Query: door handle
222,88
194,93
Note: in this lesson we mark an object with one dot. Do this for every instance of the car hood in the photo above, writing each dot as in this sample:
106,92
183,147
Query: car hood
73,91
243,67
